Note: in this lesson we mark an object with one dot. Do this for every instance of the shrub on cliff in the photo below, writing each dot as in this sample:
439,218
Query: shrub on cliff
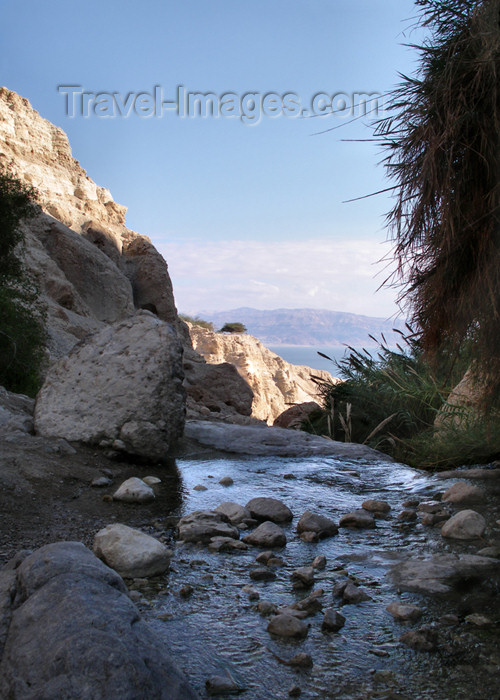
22,332
233,328
197,321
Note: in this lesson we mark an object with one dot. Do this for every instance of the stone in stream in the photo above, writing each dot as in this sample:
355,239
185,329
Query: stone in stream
287,626
295,691
303,577
263,557
200,487
134,490
424,638
404,612
130,552
319,562
265,607
354,594
492,550
407,515
309,536
319,524
234,512
430,507
333,621
226,481
252,593
358,519
263,509
262,573
268,534
226,544
479,620
301,660
434,518
464,525
307,606
222,685
463,493
374,506
203,525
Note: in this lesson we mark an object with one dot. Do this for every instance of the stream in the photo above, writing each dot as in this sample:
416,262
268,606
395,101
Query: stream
217,630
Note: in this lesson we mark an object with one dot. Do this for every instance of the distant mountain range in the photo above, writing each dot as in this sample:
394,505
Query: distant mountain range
311,327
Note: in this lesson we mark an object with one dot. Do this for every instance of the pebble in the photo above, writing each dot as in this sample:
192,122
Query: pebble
265,607
354,594
301,660
412,503
101,481
262,573
303,577
226,481
251,592
221,685
404,612
478,620
151,480
186,591
422,639
333,621
309,537
289,476
319,562
359,519
200,487
374,506
407,515
285,625
263,557
294,691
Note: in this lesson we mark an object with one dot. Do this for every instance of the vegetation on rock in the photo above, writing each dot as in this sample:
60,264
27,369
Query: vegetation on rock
22,332
197,321
233,328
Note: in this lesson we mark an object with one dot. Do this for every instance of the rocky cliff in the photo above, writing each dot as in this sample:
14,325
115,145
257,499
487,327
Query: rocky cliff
276,384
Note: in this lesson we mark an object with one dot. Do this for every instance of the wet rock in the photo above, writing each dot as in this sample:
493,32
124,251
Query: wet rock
423,639
449,620
301,660
359,519
295,691
101,481
492,550
275,561
479,620
226,481
186,591
319,562
404,612
339,587
200,487
134,490
463,494
263,557
265,607
407,515
234,512
226,544
287,626
263,509
252,593
374,506
430,507
439,574
434,518
268,534
130,552
319,524
464,525
202,525
411,503
221,685
262,573
309,536
354,594
152,480
303,577
309,606
289,476
333,621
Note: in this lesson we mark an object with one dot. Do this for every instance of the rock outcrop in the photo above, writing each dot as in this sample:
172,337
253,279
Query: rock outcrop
121,388
69,630
276,384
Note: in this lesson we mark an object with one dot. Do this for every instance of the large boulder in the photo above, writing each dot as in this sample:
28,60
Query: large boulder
267,535
16,413
464,525
130,552
121,387
71,631
203,525
319,524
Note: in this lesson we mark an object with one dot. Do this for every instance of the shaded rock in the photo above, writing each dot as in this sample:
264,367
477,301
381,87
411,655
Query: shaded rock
186,591
265,607
358,519
134,490
434,518
339,587
262,573
404,612
287,626
333,621
252,593
319,562
319,524
234,512
490,551
463,493
16,413
407,515
465,525
226,544
264,557
295,691
430,507
74,633
301,660
309,536
423,639
202,525
354,594
101,481
263,508
130,552
441,573
266,535
294,416
200,487
226,481
222,685
374,506
479,620
152,480
309,606
303,577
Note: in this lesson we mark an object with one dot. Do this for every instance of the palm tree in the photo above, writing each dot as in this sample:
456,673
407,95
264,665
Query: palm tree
442,139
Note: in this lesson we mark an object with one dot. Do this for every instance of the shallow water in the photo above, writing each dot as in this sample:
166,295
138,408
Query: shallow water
218,630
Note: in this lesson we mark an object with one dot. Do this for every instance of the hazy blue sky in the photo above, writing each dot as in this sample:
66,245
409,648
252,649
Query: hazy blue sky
244,214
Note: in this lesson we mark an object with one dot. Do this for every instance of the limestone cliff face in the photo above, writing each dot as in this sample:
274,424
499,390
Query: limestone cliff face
91,268
276,384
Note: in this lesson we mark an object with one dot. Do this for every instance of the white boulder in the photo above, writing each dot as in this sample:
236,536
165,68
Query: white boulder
130,552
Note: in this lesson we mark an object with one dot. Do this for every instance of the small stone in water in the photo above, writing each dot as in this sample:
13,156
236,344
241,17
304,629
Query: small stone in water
422,639
151,480
200,487
404,612
332,621
407,515
353,594
264,557
309,537
303,577
186,591
301,660
412,503
287,626
262,574
265,607
294,691
289,476
449,619
226,481
251,592
319,562
221,685
479,620
374,506
101,481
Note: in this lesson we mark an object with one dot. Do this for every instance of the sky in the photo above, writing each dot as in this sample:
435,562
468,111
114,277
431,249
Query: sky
249,205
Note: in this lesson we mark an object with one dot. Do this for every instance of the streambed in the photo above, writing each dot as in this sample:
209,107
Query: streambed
217,630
